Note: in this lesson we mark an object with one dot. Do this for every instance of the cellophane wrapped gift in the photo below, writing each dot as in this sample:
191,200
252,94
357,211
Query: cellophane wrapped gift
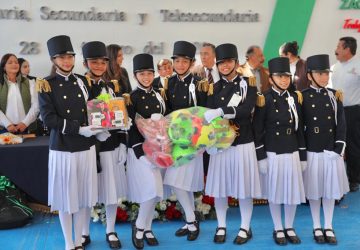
107,112
157,146
179,137
9,138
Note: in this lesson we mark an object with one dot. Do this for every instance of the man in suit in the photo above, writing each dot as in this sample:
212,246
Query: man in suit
165,70
207,69
254,67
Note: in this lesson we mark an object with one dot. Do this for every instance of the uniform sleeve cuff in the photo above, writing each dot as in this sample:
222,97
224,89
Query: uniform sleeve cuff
138,150
229,112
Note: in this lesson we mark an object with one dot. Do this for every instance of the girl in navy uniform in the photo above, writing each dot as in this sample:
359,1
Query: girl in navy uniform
145,185
185,90
72,163
280,149
111,179
234,171
325,177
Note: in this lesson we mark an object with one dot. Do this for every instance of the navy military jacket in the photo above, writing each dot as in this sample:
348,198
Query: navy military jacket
324,130
63,110
178,96
145,103
274,125
239,115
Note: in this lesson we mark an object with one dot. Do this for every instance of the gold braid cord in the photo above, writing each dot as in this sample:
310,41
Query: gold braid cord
116,86
300,96
163,93
127,99
211,89
252,81
339,95
203,85
88,79
166,83
260,100
42,85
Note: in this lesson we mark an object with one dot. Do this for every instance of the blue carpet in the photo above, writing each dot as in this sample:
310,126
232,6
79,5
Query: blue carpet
45,233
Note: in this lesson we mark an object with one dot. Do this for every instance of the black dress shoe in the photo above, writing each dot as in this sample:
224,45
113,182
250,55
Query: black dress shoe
353,187
220,238
181,232
138,243
87,240
114,244
292,239
279,240
319,238
330,239
150,241
240,240
192,235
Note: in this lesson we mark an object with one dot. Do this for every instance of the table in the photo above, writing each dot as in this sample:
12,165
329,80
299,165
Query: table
26,165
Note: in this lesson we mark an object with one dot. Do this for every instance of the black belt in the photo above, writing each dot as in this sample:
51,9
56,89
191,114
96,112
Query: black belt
317,130
282,131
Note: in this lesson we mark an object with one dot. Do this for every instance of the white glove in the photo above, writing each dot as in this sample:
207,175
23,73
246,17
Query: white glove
91,130
263,166
103,136
211,114
303,165
212,150
122,154
331,154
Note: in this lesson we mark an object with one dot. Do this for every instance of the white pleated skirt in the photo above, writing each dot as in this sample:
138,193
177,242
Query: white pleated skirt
112,178
72,183
188,177
234,172
143,182
283,183
324,177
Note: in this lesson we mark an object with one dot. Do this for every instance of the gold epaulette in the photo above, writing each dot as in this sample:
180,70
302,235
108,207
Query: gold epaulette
239,70
127,99
203,85
339,95
211,89
166,83
163,93
252,81
42,85
260,100
116,86
88,79
300,96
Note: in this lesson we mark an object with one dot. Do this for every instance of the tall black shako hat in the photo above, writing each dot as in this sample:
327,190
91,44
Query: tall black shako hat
279,66
226,51
60,45
185,49
318,63
143,62
94,50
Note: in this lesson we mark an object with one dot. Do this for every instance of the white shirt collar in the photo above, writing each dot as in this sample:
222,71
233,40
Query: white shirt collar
232,80
144,89
278,92
65,76
184,76
316,89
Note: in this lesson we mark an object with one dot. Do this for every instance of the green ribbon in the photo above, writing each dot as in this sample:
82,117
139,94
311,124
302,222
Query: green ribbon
5,183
